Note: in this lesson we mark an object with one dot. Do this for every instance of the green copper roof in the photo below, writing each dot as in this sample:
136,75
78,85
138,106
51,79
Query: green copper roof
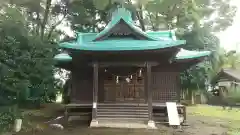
164,39
122,45
186,54
157,35
63,57
125,15
85,37
154,40
162,35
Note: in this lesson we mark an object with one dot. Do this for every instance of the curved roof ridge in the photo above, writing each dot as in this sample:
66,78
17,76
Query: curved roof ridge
187,54
122,13
125,15
163,34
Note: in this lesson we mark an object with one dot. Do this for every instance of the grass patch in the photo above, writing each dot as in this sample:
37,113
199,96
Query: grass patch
36,118
231,116
215,111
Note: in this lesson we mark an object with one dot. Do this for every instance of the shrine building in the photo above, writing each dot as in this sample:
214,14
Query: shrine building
123,73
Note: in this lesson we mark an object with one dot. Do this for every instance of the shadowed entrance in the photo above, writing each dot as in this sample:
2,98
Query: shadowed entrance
124,84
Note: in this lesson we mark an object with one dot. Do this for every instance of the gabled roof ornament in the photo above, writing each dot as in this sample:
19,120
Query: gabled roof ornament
173,35
122,12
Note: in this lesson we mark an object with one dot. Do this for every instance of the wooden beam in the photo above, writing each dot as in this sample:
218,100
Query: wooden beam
127,64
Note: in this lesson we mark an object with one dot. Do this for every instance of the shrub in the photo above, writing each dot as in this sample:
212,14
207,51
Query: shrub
234,96
7,117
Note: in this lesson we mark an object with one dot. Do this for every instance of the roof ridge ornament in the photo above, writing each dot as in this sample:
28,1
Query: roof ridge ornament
173,34
122,12
80,37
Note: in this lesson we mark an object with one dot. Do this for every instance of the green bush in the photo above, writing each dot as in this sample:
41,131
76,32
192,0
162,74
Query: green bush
7,117
234,95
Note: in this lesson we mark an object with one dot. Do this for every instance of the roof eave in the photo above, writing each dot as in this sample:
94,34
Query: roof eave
195,55
63,57
75,46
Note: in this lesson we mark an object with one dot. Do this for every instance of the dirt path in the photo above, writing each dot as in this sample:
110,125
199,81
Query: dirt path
198,125
201,125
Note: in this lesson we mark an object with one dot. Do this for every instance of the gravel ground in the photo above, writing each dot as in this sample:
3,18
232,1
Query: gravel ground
197,125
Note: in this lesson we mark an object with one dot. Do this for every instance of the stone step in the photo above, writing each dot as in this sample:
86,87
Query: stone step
121,104
115,119
121,116
121,110
159,114
122,124
123,107
122,113
136,107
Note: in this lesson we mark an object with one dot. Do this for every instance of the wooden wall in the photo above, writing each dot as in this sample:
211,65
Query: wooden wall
82,86
165,84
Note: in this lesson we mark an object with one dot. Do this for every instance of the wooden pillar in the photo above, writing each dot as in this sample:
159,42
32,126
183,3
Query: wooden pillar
151,123
145,86
179,90
184,114
149,91
94,122
66,115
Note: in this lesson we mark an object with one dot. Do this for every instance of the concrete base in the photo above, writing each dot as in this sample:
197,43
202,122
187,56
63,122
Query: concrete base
185,123
94,123
129,125
151,125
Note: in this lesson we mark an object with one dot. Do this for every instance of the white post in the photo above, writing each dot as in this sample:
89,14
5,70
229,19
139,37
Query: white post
17,125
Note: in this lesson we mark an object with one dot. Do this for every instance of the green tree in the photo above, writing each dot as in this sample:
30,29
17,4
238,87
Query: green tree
194,20
26,65
27,46
202,39
232,60
26,61
43,16
159,14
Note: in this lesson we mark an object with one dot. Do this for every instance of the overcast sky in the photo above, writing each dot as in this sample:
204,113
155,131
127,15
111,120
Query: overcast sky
231,37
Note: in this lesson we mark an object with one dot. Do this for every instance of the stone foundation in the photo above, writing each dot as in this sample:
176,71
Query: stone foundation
94,123
151,125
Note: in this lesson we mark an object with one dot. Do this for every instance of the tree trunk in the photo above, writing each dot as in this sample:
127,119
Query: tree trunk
38,20
38,23
45,17
140,17
193,97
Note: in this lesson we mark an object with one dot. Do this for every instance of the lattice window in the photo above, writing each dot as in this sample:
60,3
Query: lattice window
165,86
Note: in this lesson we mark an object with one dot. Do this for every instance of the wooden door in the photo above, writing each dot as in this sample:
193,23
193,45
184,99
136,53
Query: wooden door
124,91
128,91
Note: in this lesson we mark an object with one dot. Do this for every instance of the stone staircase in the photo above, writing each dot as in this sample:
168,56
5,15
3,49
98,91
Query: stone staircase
122,112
